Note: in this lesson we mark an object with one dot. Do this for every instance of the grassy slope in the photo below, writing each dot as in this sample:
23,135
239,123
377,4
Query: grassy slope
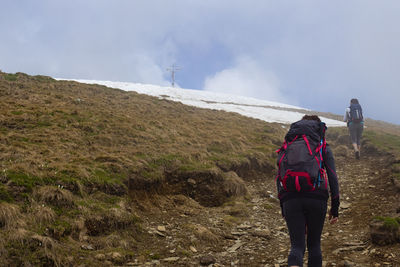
63,129
68,150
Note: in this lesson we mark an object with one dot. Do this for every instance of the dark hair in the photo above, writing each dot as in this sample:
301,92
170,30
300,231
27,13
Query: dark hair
354,101
311,118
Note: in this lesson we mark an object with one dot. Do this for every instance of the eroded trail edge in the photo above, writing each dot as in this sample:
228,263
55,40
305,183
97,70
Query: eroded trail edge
250,231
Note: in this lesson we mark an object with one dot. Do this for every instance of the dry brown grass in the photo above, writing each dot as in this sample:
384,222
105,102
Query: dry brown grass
42,214
3,250
10,215
115,240
79,229
202,233
50,247
108,221
55,195
234,185
236,208
341,151
28,240
19,235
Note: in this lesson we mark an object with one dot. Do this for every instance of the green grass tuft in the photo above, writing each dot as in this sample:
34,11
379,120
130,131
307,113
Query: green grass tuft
23,179
389,222
10,77
5,195
42,78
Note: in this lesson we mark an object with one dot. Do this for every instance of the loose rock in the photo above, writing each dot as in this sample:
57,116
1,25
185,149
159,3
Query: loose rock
207,260
171,259
161,228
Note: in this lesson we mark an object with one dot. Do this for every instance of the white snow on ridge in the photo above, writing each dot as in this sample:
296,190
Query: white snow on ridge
251,107
186,94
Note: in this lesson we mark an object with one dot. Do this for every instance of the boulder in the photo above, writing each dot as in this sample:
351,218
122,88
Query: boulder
385,231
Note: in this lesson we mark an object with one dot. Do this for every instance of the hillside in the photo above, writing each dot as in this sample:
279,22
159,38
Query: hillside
99,176
268,111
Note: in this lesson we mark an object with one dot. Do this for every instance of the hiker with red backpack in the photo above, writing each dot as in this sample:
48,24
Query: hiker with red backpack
355,123
306,168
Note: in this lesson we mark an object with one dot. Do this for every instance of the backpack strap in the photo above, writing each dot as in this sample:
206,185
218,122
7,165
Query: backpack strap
279,167
322,147
286,144
308,144
283,148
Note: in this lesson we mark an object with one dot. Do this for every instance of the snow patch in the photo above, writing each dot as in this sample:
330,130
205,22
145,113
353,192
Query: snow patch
268,111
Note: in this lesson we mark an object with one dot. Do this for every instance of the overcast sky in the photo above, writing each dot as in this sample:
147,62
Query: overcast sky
315,54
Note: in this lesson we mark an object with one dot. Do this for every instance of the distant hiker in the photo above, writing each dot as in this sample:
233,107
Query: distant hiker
355,123
305,168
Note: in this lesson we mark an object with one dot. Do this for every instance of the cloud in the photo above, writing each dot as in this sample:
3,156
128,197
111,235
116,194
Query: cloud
316,54
246,78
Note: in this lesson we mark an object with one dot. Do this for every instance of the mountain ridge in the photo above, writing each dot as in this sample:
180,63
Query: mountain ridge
268,111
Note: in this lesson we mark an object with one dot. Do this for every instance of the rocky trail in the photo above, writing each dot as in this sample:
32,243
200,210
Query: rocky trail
251,231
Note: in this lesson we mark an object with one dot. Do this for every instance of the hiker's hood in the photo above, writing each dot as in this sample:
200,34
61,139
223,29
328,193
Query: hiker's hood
311,128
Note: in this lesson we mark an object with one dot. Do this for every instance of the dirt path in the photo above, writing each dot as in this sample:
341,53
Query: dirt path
251,232
365,193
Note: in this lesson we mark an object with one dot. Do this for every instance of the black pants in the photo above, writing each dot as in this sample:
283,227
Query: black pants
356,130
301,214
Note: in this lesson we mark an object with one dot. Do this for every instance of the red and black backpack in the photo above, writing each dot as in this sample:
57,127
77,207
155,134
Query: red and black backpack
300,160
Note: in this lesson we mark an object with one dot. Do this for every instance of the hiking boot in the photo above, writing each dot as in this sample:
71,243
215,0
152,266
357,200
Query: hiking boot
357,154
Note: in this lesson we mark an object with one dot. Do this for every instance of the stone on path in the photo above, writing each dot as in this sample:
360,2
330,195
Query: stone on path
207,260
235,247
263,233
345,205
161,228
171,259
350,248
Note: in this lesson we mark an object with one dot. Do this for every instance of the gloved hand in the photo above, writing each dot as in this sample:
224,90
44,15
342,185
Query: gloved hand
334,212
335,207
